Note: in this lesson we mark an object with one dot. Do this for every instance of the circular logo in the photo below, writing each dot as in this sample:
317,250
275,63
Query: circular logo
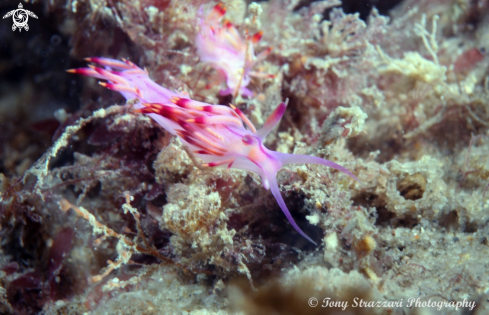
313,302
20,18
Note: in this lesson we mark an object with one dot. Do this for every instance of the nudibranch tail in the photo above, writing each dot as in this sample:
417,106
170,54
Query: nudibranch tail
272,182
283,159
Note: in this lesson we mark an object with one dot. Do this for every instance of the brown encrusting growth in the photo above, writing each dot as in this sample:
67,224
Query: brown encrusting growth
102,211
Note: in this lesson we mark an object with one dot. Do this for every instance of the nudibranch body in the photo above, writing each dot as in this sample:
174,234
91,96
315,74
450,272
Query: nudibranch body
214,133
220,45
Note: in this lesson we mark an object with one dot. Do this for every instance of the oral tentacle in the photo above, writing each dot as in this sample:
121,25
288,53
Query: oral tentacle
286,158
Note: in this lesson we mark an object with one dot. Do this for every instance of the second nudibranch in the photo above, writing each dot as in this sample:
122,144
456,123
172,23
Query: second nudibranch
220,45
214,133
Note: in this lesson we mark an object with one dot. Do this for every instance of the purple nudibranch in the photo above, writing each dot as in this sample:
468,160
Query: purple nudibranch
214,133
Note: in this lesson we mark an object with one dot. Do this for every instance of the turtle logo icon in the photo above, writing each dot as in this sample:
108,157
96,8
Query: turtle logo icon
20,18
